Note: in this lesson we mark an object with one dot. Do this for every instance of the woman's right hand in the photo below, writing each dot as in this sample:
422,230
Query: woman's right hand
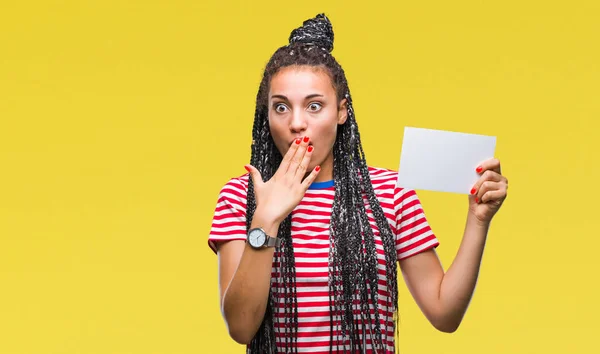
276,198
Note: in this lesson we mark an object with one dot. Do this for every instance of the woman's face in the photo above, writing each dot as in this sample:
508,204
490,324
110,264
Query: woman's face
302,102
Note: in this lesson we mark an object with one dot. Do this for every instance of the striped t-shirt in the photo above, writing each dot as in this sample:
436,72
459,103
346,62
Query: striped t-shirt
310,237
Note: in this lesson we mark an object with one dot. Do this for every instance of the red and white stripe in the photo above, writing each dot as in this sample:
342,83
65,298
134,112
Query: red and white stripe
310,235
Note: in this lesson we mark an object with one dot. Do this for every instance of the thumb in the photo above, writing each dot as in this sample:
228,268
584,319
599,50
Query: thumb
254,174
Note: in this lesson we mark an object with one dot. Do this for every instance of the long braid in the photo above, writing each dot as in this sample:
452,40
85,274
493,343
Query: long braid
353,280
266,158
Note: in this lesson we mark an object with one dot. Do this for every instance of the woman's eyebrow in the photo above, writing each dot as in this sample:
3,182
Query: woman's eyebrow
313,96
306,98
280,96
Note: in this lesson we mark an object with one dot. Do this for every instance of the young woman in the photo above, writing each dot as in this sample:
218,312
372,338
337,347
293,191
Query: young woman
309,240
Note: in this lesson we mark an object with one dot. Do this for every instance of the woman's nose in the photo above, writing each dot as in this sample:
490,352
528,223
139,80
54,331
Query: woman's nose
298,122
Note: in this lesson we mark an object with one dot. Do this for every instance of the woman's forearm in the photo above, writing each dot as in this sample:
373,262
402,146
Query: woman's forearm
458,284
245,300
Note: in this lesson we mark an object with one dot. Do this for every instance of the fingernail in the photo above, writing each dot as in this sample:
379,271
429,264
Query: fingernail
310,149
247,168
318,168
476,200
306,139
479,169
298,141
473,191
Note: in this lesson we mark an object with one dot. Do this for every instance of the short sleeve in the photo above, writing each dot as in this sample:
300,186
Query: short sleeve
229,220
413,233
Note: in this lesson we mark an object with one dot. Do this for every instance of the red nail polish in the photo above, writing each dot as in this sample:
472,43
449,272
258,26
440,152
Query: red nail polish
247,168
306,139
310,149
476,200
479,169
298,141
318,168
473,191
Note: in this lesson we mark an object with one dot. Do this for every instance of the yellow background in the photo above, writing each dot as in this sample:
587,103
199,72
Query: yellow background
121,120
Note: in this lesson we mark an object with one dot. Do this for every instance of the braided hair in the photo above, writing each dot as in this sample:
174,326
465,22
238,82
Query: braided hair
353,280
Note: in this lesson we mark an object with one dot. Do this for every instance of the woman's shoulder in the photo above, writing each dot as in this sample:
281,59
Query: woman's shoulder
385,180
238,184
383,175
381,171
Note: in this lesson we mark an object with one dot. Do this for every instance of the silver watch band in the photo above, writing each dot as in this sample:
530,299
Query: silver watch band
273,242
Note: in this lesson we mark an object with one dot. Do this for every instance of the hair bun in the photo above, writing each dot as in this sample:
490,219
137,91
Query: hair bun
317,31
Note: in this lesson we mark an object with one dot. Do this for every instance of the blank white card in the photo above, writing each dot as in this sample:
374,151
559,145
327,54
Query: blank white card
442,161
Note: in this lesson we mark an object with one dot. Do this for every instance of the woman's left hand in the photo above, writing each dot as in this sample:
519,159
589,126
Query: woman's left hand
489,192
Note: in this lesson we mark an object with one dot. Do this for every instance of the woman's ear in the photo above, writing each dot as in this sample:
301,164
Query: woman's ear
343,111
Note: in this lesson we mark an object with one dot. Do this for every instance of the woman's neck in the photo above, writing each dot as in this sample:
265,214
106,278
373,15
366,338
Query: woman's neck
326,172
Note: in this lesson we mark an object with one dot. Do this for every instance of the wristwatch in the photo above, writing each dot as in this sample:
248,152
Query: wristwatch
258,238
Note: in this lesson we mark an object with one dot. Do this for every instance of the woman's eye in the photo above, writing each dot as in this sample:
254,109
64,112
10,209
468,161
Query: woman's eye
280,108
314,107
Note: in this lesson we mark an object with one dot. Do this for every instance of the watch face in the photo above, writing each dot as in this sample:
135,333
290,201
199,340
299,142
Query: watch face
257,238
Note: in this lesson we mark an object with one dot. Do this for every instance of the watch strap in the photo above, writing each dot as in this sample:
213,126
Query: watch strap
273,242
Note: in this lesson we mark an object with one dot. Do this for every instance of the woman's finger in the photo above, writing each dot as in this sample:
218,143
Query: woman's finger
298,157
490,186
310,178
285,163
301,171
489,165
254,174
496,195
487,176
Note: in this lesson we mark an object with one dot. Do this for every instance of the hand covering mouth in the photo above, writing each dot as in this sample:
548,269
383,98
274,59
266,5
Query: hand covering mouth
310,143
